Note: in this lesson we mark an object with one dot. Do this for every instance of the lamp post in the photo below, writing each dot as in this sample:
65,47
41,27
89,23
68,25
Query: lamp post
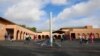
51,38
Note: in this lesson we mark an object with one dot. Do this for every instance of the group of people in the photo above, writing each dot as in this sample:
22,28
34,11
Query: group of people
8,37
86,39
27,39
83,38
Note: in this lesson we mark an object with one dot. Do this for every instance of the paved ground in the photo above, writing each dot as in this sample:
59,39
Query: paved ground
68,48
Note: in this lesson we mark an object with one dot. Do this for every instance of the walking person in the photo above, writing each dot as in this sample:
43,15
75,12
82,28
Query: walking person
84,38
87,39
62,38
92,38
6,36
29,38
26,39
9,37
81,39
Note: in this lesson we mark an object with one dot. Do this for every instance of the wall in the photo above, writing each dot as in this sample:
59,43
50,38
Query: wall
86,32
2,31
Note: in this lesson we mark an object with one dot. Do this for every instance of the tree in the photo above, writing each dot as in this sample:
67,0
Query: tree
30,28
23,26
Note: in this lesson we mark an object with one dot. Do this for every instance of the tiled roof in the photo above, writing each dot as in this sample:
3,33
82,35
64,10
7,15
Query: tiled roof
3,19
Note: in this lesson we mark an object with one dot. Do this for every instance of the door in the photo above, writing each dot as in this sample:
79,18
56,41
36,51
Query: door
73,35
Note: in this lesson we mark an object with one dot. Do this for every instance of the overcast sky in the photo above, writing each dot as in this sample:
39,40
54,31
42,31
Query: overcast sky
66,13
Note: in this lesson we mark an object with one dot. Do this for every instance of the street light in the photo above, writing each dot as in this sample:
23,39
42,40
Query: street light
51,37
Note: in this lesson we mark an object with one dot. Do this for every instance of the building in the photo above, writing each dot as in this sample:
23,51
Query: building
46,34
74,32
16,32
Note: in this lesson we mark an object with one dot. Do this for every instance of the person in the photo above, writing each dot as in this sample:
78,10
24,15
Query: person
6,36
54,38
26,39
81,39
29,38
9,37
87,39
92,38
62,38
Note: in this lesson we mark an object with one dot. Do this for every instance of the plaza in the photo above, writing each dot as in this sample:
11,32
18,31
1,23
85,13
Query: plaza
69,48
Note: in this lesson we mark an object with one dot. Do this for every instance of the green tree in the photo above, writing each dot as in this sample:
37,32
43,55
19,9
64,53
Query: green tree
32,29
23,26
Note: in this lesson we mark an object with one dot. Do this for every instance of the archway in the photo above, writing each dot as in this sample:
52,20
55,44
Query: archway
39,36
10,32
17,35
59,36
73,36
55,36
47,36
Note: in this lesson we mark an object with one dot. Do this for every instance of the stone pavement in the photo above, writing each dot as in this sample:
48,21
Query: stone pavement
68,48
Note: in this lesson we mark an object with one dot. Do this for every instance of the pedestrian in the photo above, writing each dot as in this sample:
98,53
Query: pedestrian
87,39
92,38
62,38
26,39
84,38
54,38
6,36
9,37
81,39
29,38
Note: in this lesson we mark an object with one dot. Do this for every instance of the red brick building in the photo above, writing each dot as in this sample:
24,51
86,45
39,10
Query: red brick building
17,32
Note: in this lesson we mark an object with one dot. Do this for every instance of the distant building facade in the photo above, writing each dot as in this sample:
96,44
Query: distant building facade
16,32
73,32
46,34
